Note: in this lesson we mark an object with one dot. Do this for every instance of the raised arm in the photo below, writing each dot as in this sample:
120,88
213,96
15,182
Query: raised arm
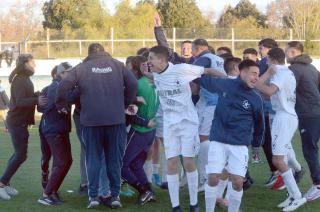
158,31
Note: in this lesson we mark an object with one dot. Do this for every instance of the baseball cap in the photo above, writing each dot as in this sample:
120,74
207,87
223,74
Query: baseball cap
63,67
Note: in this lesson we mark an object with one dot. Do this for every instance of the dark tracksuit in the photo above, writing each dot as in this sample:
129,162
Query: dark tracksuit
267,144
20,116
56,128
106,89
233,122
308,111
45,148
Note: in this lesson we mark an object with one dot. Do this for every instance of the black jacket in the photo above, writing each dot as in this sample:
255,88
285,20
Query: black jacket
106,89
23,99
308,84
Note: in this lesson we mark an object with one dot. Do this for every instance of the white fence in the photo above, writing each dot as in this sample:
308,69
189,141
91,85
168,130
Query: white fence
233,40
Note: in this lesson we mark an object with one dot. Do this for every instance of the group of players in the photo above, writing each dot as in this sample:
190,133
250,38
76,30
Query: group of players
207,108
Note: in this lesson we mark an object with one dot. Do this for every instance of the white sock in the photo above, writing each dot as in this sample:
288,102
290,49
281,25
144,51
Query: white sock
173,186
148,169
291,184
221,187
163,162
203,160
292,161
155,168
235,200
229,189
193,186
211,197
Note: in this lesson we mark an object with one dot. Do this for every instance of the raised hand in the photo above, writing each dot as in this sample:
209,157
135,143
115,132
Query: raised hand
157,20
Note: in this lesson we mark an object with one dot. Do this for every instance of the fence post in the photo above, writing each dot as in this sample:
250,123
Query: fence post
80,48
48,43
232,42
143,43
112,44
174,39
291,35
0,40
25,47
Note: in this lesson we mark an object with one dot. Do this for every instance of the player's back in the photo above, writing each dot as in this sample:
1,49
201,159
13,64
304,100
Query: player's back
284,99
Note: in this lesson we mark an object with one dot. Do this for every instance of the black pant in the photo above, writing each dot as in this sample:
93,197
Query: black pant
267,145
62,160
310,133
19,136
46,152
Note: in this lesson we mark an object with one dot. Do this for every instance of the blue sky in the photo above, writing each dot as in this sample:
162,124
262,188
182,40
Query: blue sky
204,5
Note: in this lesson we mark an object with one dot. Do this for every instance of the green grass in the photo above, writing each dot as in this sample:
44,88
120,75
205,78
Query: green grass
27,181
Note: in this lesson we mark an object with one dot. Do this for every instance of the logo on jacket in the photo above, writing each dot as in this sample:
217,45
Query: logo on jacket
101,70
245,104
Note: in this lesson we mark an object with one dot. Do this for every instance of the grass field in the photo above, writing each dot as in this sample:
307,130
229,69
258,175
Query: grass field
27,181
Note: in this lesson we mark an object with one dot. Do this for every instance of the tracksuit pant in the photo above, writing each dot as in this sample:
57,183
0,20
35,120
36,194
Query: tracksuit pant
138,145
62,159
107,141
310,133
45,152
19,137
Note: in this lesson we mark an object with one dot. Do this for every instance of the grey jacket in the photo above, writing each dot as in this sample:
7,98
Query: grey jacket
106,89
4,100
308,85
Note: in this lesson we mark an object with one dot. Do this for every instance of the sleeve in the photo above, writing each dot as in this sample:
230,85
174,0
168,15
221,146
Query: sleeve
130,87
5,98
212,84
64,88
203,61
44,92
73,96
160,37
187,73
259,125
21,99
277,80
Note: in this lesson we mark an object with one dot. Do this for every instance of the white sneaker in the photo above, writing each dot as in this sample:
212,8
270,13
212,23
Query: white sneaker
313,193
286,202
4,195
11,191
295,204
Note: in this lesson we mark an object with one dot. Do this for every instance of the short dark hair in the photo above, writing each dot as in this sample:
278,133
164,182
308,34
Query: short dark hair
244,64
200,42
54,71
268,43
186,41
296,44
229,63
95,48
250,51
211,49
161,51
277,54
129,59
225,48
143,52
226,56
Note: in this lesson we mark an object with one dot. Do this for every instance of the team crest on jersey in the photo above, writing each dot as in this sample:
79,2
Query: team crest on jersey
246,105
178,83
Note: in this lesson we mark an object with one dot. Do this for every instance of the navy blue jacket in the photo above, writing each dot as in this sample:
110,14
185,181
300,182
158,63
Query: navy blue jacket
173,56
238,112
52,122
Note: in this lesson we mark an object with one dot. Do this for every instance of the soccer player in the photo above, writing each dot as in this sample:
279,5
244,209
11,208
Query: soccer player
180,130
282,90
308,110
239,110
206,104
250,54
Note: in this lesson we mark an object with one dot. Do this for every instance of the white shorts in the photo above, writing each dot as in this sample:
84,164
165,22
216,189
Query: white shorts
206,114
159,123
232,157
181,139
284,126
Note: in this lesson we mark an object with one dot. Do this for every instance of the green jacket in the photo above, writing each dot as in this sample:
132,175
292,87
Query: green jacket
147,111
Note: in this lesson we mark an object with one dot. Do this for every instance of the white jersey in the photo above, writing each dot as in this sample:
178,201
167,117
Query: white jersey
174,93
284,99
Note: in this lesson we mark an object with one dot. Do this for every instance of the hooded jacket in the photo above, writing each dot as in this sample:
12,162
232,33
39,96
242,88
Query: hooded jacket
23,99
308,85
